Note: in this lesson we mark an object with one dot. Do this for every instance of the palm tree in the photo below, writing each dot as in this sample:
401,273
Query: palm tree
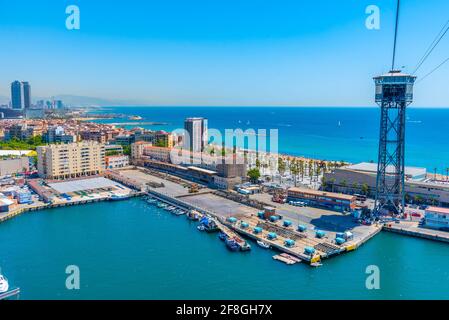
365,189
344,184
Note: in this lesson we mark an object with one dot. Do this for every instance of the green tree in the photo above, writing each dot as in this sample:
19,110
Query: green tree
254,175
127,150
365,189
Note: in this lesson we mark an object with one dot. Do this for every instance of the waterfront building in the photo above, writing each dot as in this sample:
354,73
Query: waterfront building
361,178
14,166
196,128
20,95
322,199
437,218
61,161
118,161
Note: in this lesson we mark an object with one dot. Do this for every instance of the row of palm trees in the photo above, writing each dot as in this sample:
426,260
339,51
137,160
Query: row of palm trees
300,167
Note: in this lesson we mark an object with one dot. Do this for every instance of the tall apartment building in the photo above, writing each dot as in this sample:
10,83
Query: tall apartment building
20,95
197,134
63,161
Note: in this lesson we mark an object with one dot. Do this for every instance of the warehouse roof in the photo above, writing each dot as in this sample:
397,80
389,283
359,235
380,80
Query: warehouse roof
372,168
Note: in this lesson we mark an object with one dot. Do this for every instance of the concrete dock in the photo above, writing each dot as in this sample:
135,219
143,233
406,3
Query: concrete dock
412,229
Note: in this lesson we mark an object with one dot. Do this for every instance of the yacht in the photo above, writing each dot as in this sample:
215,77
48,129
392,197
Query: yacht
4,285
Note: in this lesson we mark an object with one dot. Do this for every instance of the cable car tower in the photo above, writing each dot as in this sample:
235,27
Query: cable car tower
394,92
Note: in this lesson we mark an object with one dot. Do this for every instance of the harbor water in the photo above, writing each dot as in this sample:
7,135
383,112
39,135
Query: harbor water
133,250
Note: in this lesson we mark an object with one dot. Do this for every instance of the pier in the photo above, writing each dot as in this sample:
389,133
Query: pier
324,248
412,230
14,293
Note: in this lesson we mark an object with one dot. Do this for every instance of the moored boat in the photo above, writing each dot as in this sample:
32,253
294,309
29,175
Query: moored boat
193,215
263,244
4,285
222,236
118,197
232,245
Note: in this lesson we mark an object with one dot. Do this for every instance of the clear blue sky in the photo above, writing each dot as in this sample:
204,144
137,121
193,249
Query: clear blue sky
219,52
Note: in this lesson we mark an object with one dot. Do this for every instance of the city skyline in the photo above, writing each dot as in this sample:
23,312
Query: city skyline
209,54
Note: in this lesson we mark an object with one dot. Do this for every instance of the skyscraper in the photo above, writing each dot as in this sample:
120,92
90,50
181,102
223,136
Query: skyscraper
20,95
197,131
26,88
16,95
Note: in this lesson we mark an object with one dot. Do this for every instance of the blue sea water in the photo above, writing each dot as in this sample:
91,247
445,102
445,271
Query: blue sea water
131,250
349,134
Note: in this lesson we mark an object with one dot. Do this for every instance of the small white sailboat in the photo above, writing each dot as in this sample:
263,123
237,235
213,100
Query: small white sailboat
4,285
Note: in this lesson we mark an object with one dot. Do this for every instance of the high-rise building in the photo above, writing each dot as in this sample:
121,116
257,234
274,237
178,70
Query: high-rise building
26,89
196,129
20,95
63,161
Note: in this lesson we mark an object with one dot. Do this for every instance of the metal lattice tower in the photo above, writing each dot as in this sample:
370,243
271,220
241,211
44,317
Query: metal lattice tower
394,92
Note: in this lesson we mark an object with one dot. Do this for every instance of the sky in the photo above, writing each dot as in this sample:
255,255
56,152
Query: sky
220,52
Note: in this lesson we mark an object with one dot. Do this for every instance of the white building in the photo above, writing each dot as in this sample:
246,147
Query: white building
436,217
114,162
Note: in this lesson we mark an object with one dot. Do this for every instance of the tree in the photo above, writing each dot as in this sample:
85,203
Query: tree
254,175
281,166
365,189
301,169
127,150
294,169
344,184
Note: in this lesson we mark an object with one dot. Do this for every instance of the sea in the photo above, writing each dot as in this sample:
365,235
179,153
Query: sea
339,134
133,250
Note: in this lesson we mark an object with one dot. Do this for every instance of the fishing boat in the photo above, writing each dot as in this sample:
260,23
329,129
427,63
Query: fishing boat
232,245
263,244
4,285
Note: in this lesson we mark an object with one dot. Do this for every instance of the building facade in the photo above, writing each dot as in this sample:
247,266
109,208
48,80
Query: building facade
115,162
328,200
196,129
14,166
64,161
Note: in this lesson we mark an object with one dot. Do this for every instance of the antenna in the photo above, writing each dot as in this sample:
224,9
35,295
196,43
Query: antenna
395,35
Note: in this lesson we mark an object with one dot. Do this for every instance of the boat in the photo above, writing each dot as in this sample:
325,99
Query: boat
161,205
263,244
171,208
222,236
289,256
193,215
201,227
179,212
118,197
232,245
152,200
316,264
4,285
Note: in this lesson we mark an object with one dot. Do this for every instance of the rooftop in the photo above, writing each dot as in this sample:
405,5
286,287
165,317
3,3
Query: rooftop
372,168
82,185
322,193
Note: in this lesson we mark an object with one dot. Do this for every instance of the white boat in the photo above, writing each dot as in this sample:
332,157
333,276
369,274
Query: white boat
316,264
201,227
263,244
4,285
